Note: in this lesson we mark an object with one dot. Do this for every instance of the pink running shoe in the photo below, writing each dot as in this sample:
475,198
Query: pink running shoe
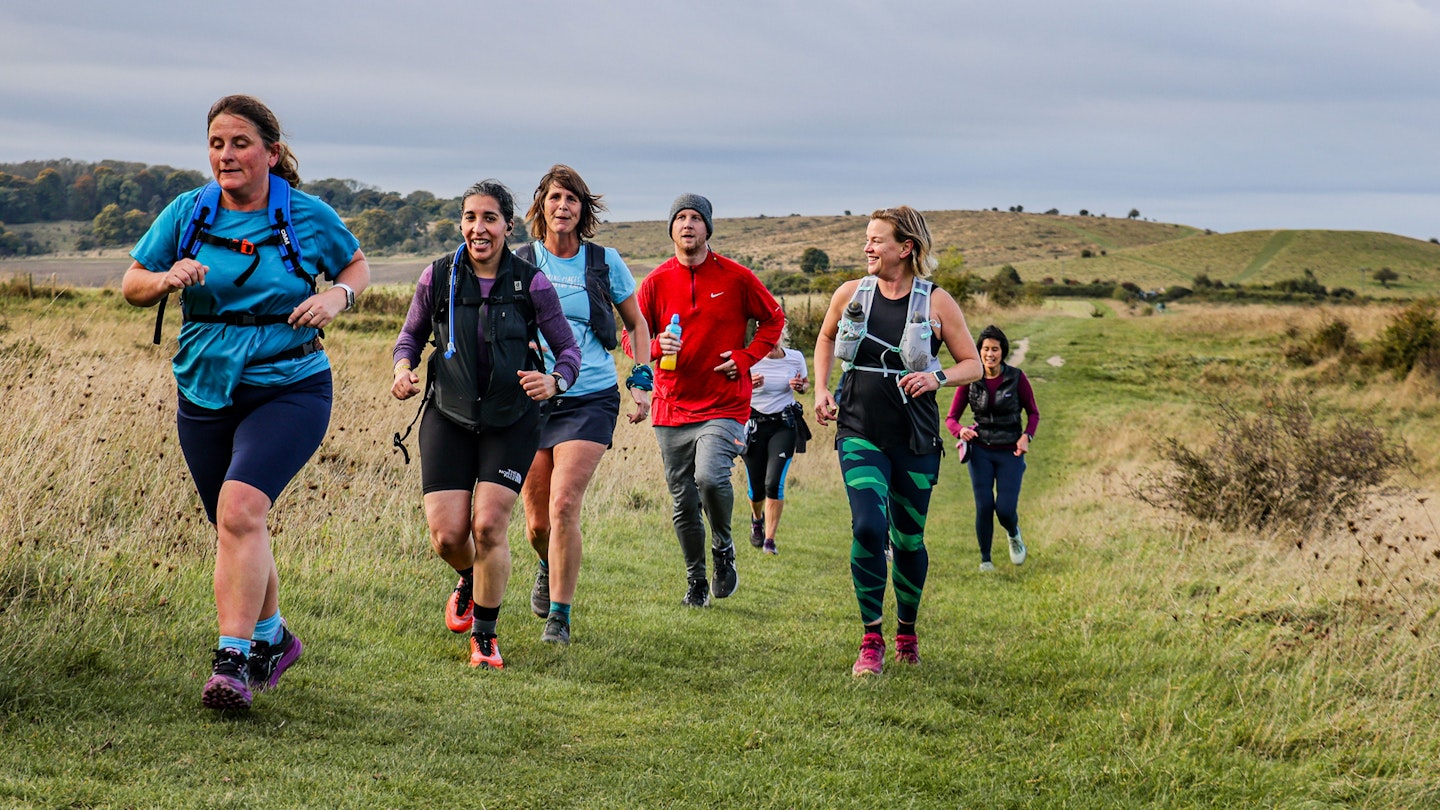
907,650
872,656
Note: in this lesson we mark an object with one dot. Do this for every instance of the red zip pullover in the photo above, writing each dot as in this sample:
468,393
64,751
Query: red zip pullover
715,302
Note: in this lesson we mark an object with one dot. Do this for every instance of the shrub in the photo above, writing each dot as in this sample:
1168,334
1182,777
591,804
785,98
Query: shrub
1274,469
782,282
814,260
1411,333
1332,338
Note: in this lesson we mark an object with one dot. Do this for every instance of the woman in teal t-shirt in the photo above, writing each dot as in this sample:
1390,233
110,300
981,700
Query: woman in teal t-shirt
254,382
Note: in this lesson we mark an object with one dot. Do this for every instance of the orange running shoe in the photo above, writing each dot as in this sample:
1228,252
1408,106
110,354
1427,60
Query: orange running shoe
485,652
456,618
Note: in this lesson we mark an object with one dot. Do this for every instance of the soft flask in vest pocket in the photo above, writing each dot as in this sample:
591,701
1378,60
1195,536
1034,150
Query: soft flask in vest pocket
850,332
915,344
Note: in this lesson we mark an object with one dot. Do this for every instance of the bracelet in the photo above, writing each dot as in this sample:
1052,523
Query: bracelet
641,377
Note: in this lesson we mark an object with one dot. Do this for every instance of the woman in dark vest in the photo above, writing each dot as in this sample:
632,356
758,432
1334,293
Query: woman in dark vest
481,423
887,420
997,442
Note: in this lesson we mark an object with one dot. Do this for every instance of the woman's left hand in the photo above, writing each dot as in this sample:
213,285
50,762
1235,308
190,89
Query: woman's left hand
642,405
918,382
319,310
538,385
1023,446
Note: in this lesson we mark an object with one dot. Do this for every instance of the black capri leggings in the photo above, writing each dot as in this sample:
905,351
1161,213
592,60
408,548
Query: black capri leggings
768,456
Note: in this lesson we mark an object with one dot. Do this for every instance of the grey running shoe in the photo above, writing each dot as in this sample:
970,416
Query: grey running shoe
986,567
229,684
269,661
697,593
557,630
726,577
540,594
757,532
1017,549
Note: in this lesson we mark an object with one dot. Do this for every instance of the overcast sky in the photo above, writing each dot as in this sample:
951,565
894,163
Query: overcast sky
1223,114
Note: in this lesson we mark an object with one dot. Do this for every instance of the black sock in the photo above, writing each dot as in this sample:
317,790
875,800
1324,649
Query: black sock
905,629
484,624
467,574
874,628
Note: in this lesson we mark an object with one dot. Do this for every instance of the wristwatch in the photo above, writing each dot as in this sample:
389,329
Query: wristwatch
349,295
941,378
560,385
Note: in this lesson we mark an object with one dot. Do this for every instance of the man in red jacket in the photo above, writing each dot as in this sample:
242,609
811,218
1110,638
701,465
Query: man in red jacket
700,408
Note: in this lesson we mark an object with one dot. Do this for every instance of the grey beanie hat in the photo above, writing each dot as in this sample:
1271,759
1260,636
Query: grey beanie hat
696,203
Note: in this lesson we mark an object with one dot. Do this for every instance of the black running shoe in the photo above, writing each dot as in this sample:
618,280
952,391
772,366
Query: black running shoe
757,532
697,594
269,661
726,577
229,684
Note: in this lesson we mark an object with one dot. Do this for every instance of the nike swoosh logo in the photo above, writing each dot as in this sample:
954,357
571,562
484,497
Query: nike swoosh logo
716,295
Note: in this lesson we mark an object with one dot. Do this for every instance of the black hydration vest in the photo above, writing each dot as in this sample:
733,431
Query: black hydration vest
597,287
997,421
507,320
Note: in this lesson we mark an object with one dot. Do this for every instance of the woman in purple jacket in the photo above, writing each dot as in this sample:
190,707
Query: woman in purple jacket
997,442
481,421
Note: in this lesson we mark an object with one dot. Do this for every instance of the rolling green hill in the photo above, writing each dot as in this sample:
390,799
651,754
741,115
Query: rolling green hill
1040,246
1337,258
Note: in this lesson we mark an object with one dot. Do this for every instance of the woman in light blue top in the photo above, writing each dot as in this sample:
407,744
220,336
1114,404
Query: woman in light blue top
581,420
254,381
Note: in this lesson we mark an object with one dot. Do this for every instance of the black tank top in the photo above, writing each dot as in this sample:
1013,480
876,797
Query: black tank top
871,405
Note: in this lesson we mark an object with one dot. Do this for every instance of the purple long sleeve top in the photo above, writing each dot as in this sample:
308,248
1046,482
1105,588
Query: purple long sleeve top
549,315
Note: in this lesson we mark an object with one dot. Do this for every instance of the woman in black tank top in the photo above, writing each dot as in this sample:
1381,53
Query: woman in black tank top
888,423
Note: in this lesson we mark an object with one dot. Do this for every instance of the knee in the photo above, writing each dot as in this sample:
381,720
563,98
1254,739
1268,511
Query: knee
240,517
870,533
447,540
488,537
711,481
565,506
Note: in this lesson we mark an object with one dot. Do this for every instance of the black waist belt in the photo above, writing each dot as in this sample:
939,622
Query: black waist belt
305,349
761,418
238,318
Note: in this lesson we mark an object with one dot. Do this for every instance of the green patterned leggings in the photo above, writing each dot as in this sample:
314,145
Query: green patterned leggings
889,492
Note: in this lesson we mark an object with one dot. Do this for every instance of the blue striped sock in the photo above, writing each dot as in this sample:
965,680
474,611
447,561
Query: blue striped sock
232,643
563,608
268,630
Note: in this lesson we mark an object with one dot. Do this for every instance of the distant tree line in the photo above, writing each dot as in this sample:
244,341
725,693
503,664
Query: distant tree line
121,199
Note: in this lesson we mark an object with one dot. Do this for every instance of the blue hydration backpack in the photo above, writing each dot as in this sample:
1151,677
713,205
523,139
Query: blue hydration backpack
282,235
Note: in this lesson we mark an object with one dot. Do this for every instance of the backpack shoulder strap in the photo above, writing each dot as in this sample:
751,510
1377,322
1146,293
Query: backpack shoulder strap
920,298
202,217
865,294
602,300
526,252
283,226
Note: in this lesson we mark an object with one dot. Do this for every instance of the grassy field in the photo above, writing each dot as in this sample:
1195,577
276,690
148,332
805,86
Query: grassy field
1137,660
